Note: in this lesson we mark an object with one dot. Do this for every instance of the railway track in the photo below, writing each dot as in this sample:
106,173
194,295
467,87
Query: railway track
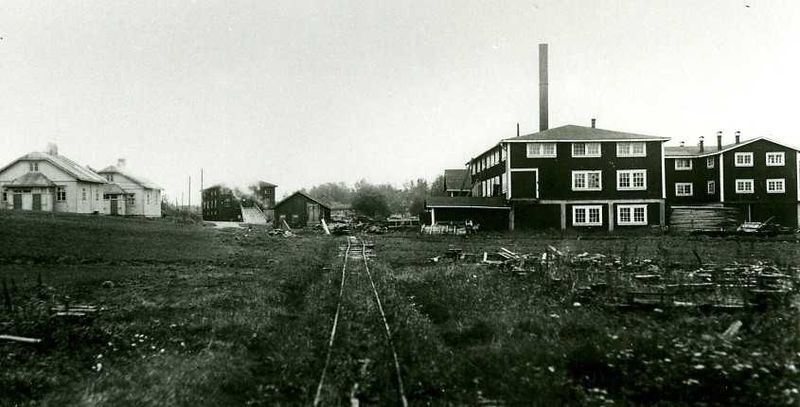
357,249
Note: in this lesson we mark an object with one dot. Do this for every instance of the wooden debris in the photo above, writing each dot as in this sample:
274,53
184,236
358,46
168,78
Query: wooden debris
732,330
21,339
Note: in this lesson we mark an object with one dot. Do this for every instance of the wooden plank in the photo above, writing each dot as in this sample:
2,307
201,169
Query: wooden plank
22,339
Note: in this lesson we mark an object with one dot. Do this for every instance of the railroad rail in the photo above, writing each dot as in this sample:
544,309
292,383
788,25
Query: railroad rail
349,251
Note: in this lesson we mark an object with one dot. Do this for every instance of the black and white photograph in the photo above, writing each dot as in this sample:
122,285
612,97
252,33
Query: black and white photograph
399,203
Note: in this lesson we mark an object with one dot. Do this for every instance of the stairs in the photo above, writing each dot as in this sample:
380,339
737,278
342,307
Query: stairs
253,216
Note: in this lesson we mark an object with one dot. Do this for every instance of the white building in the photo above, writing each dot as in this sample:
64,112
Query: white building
47,181
129,194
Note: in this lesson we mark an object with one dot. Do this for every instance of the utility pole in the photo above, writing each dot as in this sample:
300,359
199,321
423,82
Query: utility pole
190,192
201,193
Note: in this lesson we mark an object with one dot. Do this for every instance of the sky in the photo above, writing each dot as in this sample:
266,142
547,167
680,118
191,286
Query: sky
299,92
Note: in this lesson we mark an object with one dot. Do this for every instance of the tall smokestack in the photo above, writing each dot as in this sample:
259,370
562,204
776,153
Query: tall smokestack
543,125
719,140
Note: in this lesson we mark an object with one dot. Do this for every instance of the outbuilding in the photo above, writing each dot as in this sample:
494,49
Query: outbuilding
300,209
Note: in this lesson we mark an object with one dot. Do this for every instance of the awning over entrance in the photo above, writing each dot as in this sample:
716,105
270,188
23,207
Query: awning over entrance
31,180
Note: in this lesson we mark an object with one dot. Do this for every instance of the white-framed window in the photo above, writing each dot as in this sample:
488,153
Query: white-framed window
776,186
631,215
61,194
587,180
631,180
776,159
587,215
684,189
683,164
743,159
709,162
586,150
711,187
632,149
541,150
744,186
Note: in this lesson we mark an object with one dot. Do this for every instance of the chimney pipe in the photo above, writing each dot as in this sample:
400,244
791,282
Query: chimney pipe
682,144
593,121
738,134
52,148
719,140
701,144
121,163
517,129
543,119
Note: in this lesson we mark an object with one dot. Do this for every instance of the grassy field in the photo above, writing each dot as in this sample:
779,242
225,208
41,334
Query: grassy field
191,315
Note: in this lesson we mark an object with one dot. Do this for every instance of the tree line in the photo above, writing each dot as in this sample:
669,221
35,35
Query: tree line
379,200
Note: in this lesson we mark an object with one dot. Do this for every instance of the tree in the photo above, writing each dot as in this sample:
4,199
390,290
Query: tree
370,201
437,186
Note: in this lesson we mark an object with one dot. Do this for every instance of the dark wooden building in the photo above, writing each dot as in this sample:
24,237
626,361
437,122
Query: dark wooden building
301,209
758,177
221,204
457,182
489,213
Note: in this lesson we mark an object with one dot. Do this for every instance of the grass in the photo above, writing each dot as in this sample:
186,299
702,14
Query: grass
199,316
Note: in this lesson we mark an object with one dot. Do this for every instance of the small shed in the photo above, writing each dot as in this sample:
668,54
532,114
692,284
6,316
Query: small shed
300,209
492,213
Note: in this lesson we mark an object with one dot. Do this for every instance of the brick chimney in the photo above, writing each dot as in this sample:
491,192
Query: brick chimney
121,163
719,140
682,144
701,144
594,121
52,148
738,135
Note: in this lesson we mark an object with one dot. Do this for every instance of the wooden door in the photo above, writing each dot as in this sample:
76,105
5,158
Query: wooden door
37,202
312,212
114,207
18,201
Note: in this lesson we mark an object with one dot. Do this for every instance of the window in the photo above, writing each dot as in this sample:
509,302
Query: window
743,159
776,186
631,215
541,150
684,189
586,149
148,198
587,215
775,159
83,194
744,186
5,196
110,177
710,162
61,194
711,187
33,166
96,195
631,180
587,181
632,149
131,199
683,164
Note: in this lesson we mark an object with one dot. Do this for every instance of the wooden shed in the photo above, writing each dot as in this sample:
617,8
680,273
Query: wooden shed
301,209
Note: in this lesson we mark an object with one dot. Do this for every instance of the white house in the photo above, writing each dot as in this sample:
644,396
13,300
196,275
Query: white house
129,194
47,181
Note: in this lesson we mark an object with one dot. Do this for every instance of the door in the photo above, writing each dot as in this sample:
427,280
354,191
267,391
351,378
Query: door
18,201
312,212
114,207
37,202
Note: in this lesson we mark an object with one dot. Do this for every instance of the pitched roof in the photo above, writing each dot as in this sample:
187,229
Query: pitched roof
572,132
307,196
265,184
113,188
32,179
466,202
456,180
694,151
144,182
72,168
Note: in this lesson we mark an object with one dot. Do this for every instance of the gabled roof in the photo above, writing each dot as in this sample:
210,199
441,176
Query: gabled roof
694,151
143,182
464,202
72,168
456,180
32,179
307,196
114,189
580,133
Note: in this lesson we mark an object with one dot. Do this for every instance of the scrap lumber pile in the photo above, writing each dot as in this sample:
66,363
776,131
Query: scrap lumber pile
443,229
703,218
